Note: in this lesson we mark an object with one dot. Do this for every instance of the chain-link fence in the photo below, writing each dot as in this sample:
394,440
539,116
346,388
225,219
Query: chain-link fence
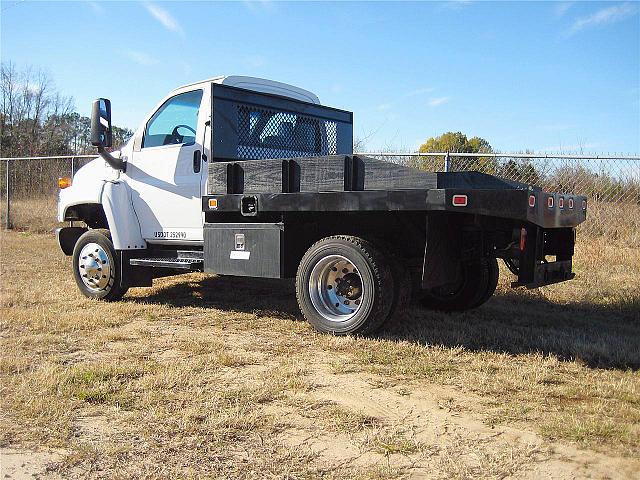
612,184
30,190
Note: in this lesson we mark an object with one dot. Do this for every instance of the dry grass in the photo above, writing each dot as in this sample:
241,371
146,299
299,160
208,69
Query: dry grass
617,220
206,376
36,215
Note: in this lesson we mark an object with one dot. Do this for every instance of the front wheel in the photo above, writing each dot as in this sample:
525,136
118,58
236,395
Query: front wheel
95,266
344,286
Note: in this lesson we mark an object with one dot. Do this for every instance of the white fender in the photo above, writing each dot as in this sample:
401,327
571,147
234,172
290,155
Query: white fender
86,188
122,218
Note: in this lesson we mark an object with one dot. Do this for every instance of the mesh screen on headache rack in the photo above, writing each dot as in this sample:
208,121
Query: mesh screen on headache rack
251,125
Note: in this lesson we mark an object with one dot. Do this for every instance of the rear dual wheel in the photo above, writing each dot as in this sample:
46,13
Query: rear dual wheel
476,284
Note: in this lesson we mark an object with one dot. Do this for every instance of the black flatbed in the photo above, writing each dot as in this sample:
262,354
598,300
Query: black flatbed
485,195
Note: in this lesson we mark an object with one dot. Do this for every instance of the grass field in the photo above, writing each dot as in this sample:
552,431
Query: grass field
218,377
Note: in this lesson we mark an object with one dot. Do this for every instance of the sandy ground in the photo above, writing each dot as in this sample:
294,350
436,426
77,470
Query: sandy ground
453,438
26,464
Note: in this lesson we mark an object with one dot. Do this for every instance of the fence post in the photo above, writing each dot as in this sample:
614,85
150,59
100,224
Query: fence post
446,162
72,166
7,218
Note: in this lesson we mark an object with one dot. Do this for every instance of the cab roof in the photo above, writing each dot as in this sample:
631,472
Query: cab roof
262,85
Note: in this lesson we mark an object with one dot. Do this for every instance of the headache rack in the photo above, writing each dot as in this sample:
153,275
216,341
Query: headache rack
249,125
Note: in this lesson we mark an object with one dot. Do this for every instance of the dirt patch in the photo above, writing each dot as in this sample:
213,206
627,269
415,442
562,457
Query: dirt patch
19,464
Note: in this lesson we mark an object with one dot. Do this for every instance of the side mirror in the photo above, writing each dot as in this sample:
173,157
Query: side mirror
101,134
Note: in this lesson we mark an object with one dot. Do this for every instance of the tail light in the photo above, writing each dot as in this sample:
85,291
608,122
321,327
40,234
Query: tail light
64,182
532,201
523,239
460,201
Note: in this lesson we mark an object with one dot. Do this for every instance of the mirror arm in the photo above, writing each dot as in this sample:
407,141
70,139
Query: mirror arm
116,163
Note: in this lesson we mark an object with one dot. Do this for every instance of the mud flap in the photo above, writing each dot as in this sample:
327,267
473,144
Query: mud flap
68,237
441,263
133,275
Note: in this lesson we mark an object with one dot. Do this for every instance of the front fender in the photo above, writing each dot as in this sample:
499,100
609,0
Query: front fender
78,195
122,218
86,188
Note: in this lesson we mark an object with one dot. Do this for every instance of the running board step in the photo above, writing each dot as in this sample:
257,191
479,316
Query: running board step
180,263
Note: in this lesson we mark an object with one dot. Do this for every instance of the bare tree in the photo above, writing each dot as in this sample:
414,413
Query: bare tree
35,119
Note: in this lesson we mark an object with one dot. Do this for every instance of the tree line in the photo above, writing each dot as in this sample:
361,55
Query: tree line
37,120
558,176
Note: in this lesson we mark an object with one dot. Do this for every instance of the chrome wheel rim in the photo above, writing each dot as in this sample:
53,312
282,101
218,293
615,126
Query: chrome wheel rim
94,267
336,288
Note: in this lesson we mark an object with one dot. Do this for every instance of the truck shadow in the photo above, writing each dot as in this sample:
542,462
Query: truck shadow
599,336
237,294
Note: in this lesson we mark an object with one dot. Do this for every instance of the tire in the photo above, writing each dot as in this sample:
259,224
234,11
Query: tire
344,286
101,278
492,283
468,293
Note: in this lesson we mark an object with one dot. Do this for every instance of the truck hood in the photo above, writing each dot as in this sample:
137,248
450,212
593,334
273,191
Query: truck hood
87,185
96,169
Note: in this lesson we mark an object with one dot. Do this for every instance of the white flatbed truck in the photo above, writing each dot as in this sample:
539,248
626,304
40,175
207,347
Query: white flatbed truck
245,176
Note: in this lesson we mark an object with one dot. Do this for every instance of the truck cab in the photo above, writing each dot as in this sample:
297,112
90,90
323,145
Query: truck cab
245,176
165,160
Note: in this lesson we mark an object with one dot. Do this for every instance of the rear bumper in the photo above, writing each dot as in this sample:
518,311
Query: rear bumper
548,273
536,269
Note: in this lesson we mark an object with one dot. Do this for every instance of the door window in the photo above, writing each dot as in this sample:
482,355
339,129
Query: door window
175,122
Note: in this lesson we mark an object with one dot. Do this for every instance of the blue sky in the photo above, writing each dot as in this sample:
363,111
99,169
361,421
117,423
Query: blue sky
544,76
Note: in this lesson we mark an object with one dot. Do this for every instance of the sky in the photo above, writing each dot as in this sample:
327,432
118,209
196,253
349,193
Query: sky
544,76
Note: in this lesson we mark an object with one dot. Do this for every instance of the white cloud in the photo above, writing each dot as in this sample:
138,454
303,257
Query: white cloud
384,106
164,17
409,94
418,91
186,68
561,8
255,61
605,16
434,102
258,6
32,88
556,127
96,7
456,4
140,58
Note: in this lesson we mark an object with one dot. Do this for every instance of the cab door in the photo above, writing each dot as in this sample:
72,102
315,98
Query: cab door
166,170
